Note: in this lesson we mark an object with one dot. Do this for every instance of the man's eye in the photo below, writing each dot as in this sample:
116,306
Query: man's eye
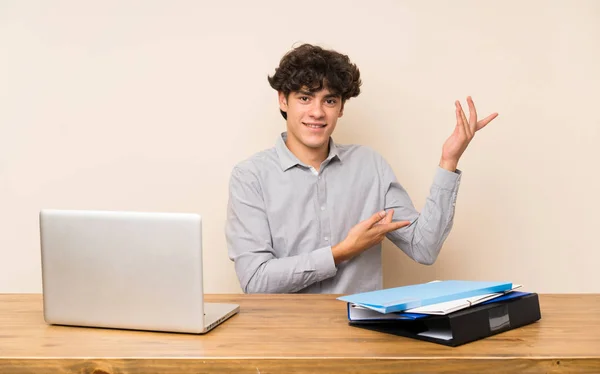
304,98
331,101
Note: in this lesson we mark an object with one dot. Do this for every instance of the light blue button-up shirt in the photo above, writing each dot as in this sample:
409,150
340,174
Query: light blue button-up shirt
283,217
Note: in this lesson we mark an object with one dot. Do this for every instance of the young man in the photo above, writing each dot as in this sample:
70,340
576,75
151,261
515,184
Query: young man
309,215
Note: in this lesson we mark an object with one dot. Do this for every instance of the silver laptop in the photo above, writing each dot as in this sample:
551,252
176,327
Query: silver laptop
126,270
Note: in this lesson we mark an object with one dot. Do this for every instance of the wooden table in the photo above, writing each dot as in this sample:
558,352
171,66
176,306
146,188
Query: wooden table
296,333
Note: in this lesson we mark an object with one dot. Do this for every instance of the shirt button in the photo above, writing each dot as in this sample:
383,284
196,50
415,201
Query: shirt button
323,207
326,238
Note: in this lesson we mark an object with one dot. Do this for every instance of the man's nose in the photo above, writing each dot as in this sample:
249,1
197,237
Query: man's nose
316,110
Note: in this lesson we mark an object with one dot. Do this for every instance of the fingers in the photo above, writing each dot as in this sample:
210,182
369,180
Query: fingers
382,221
388,217
473,124
375,218
481,124
472,115
463,119
388,227
459,122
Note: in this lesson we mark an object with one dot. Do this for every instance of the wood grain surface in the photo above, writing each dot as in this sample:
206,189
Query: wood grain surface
296,333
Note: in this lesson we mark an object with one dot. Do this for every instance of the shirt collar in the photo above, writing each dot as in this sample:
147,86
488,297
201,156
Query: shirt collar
288,160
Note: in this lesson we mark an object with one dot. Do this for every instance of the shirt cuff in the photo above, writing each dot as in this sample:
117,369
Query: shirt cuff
323,263
446,179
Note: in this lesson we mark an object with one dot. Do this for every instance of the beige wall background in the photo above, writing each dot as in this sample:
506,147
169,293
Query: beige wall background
147,105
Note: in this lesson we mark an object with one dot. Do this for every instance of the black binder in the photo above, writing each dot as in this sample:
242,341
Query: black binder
466,325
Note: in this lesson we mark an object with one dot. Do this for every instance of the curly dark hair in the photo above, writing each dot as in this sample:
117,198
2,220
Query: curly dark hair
316,68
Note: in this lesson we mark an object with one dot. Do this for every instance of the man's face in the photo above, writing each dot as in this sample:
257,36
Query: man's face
311,116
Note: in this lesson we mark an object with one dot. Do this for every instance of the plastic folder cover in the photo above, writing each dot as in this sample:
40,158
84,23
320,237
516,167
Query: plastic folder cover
401,298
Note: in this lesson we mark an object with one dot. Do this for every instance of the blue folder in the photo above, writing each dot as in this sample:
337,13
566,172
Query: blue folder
378,317
508,296
401,298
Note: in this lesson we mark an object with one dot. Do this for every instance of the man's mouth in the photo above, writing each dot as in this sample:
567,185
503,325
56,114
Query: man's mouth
315,125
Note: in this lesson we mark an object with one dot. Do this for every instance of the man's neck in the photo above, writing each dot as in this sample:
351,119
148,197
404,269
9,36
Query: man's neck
309,156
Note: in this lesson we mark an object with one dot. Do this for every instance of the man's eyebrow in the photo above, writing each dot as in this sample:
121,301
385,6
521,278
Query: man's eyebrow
311,94
305,93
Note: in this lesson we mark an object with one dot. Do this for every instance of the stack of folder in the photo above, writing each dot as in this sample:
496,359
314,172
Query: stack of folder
449,312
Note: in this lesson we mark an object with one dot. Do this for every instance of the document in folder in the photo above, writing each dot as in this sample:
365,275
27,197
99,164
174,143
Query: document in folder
402,298
458,304
359,314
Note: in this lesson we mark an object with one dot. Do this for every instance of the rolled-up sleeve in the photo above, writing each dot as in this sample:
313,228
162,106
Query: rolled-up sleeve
250,244
422,240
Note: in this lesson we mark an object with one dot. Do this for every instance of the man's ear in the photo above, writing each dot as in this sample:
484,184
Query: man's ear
341,111
283,106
